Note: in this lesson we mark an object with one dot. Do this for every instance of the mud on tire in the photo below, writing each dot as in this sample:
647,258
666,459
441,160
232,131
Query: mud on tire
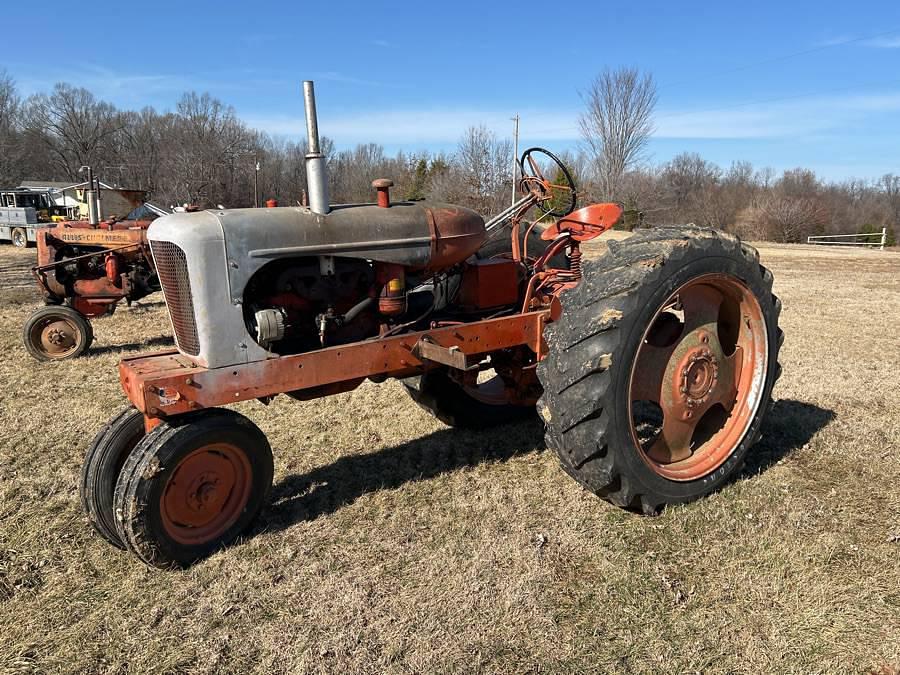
192,486
102,465
606,321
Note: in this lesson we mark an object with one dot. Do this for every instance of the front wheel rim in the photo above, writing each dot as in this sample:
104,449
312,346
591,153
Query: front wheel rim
702,365
206,494
55,336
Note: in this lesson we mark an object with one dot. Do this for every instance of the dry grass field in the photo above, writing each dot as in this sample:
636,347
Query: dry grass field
394,544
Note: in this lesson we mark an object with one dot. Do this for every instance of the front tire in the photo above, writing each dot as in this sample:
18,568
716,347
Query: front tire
102,464
192,486
57,332
661,367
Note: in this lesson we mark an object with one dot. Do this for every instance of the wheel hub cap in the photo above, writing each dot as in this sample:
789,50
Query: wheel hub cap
698,376
206,493
702,364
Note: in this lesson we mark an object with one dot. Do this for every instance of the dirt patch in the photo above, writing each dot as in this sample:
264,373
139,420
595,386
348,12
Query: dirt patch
396,544
15,267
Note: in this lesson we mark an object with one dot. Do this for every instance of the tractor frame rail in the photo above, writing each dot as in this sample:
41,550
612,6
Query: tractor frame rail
165,384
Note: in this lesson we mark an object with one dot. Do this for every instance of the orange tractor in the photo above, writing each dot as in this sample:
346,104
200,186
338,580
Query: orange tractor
652,366
83,270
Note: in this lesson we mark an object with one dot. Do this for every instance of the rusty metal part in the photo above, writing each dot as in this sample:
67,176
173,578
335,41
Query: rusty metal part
120,248
486,284
452,356
575,260
705,370
206,493
168,383
455,236
383,186
56,336
92,307
586,223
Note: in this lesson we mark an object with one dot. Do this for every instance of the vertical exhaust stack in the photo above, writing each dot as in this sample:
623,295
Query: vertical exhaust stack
316,176
93,199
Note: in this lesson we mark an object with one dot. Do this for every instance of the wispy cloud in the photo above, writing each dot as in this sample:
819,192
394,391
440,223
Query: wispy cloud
883,43
803,118
331,76
134,89
381,43
785,119
421,126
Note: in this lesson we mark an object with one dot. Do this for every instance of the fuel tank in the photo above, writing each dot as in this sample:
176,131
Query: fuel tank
418,235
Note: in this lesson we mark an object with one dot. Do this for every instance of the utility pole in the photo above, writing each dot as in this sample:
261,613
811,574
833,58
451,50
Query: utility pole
256,182
515,156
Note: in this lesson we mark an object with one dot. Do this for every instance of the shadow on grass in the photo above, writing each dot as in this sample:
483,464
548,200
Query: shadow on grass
326,489
159,341
788,427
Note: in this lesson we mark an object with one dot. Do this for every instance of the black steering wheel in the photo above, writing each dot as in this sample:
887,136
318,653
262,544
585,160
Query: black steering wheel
533,181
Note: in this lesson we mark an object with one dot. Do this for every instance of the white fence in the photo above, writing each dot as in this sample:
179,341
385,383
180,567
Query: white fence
851,239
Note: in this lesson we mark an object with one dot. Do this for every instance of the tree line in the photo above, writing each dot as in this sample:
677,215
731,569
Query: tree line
202,153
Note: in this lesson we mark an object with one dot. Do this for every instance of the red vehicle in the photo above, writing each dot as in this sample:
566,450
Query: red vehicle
83,271
652,367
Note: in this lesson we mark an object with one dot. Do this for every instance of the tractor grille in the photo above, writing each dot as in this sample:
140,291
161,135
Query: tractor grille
171,266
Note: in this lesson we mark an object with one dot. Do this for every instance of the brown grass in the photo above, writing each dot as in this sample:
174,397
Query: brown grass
395,544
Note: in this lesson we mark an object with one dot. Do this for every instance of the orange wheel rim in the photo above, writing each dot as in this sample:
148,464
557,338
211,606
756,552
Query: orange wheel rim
698,377
55,336
206,493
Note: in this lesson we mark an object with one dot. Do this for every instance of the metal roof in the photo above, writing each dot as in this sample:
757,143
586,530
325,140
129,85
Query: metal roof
59,186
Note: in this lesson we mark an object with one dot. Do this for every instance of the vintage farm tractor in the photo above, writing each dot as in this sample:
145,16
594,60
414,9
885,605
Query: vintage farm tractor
652,366
83,270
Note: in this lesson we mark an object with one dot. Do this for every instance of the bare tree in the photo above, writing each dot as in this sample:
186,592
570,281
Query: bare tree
10,147
484,164
75,128
618,123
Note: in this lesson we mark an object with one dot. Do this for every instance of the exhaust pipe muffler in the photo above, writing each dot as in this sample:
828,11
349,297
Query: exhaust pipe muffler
316,175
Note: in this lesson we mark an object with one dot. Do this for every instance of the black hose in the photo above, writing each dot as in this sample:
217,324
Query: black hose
354,311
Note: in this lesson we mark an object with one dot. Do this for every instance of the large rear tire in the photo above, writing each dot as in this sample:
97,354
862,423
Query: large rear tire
661,367
192,486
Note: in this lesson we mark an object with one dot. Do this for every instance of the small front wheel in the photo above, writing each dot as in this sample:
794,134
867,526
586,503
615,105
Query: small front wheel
102,465
192,486
57,332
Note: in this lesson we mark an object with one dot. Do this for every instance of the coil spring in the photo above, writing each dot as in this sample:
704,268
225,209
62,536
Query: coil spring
575,262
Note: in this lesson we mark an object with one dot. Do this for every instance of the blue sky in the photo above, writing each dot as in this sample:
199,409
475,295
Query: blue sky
781,84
